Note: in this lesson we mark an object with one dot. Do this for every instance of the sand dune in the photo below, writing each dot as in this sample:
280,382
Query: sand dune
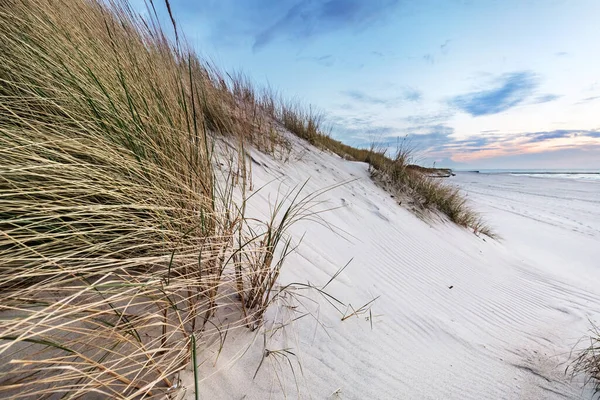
458,316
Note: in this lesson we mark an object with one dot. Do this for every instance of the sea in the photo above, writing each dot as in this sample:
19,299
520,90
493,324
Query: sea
577,174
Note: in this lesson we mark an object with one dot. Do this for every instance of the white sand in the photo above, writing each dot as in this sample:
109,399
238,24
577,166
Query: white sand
504,330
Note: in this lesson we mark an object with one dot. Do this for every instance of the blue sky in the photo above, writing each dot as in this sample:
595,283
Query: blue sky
474,83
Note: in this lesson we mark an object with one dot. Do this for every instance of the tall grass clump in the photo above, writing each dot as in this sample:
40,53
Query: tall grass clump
424,186
118,223
302,122
587,361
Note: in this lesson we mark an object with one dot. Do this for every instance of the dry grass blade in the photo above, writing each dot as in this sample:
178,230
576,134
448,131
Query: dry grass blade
258,268
587,361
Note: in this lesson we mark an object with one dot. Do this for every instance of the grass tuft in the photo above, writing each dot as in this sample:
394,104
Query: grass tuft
587,361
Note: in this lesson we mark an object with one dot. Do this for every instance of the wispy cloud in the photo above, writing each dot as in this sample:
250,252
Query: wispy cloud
434,139
500,144
436,54
359,130
444,46
307,18
327,60
363,97
407,94
545,98
588,99
506,92
258,23
429,58
362,136
430,119
536,137
429,139
412,94
362,132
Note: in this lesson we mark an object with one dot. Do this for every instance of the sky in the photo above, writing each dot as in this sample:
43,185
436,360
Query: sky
469,83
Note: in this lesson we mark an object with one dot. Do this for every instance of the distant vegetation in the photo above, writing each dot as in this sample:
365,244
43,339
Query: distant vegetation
123,180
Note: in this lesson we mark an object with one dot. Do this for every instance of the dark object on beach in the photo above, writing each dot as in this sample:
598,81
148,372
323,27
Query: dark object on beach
450,287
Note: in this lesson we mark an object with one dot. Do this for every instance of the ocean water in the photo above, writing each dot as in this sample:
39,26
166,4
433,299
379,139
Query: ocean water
550,174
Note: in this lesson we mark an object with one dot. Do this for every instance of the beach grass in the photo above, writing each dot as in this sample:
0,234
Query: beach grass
587,361
122,169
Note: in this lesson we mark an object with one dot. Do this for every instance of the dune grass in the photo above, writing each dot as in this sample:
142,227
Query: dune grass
587,361
122,234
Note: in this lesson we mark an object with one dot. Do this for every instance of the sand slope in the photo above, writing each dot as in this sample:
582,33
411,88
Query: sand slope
503,331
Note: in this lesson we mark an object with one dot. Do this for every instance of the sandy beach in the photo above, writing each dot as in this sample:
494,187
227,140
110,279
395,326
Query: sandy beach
457,316
553,222
259,200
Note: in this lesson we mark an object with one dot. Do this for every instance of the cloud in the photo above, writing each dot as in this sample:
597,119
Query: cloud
429,58
588,99
542,136
429,139
309,18
545,98
408,94
363,97
495,137
363,136
423,138
439,130
258,23
425,142
507,92
359,130
327,60
434,56
558,158
505,145
444,46
468,145
430,119
412,94
439,141
557,134
433,138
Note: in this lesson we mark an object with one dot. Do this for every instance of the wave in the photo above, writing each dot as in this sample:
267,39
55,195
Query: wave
561,175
